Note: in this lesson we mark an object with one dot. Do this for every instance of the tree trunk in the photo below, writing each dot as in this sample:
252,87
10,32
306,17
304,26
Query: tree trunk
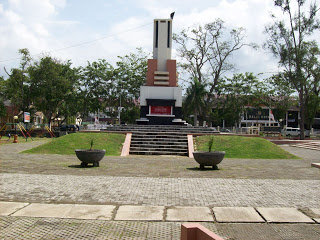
49,123
195,118
302,115
49,115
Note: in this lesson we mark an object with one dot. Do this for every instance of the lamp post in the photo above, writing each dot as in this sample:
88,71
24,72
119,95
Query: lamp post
120,111
15,137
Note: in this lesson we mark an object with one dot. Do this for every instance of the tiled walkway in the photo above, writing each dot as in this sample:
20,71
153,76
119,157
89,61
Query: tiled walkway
160,191
161,213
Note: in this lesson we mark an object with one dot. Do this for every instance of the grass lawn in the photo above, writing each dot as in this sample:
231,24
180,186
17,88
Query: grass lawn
243,147
111,142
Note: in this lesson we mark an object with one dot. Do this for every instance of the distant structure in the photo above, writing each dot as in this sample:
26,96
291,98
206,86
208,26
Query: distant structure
161,98
172,15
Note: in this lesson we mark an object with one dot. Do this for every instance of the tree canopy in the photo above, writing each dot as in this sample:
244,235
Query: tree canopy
195,100
290,41
207,50
52,82
57,89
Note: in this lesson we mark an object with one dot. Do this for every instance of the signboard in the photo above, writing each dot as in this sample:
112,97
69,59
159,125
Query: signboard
257,114
160,110
26,117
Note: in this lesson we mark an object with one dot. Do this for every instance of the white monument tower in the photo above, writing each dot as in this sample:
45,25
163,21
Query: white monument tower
161,98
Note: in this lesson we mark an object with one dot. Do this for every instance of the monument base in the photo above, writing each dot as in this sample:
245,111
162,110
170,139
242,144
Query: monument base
160,114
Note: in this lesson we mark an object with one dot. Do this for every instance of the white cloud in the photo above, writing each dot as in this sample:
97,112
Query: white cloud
32,10
139,33
63,22
46,25
25,24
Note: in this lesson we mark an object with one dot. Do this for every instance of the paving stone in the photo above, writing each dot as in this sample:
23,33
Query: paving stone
264,231
160,191
317,220
44,210
82,211
297,231
52,228
236,214
123,230
163,231
140,213
15,227
189,214
284,215
7,208
315,211
245,231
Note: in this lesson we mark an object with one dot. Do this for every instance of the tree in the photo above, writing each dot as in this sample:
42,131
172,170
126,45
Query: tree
312,98
279,96
96,88
70,105
130,114
207,51
235,94
131,72
18,87
195,99
130,76
312,108
52,80
3,109
289,41
102,86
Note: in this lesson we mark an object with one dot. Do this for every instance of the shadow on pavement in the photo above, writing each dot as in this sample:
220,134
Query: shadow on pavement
79,166
201,170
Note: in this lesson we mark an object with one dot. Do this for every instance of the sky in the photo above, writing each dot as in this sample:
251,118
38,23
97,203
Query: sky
70,29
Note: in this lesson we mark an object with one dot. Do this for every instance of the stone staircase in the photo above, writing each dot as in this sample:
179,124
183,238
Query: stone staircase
160,128
308,145
159,139
159,143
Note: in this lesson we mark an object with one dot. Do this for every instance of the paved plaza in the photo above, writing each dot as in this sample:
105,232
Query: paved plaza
160,191
50,197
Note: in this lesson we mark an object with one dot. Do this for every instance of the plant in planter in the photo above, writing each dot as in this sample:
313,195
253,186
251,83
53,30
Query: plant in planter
87,156
209,158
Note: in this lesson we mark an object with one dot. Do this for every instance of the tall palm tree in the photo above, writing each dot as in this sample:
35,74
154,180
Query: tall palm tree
195,99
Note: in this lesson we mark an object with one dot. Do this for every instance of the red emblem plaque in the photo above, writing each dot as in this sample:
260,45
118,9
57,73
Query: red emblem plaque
160,110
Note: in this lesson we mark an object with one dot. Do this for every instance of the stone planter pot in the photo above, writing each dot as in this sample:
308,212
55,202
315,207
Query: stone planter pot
90,156
209,158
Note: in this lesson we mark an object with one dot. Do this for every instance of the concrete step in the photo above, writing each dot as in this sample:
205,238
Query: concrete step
159,133
154,146
143,152
150,136
162,128
152,149
170,140
159,143
158,140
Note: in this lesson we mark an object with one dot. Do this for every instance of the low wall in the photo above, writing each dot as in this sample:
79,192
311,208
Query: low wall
195,231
